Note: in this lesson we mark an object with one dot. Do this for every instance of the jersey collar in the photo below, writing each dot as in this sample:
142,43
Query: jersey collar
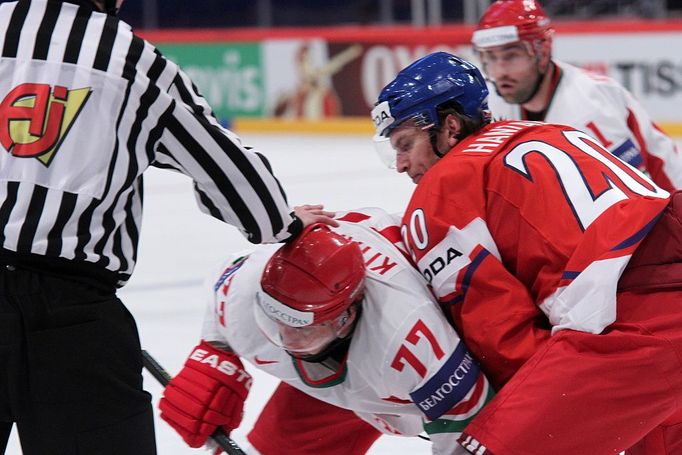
317,376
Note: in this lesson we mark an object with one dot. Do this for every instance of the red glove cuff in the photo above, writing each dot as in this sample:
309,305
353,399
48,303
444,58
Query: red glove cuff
207,393
225,367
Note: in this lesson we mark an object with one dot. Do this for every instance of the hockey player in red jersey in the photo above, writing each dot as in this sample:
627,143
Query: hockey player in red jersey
513,216
514,42
351,329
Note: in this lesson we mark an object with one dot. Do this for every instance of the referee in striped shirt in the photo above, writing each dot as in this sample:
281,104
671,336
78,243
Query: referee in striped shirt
85,108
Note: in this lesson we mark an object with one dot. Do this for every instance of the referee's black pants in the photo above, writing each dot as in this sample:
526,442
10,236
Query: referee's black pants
70,369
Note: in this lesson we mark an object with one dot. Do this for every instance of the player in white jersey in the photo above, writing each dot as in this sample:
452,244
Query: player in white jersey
342,316
514,42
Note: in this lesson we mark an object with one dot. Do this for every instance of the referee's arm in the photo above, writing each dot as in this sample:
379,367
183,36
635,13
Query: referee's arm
232,182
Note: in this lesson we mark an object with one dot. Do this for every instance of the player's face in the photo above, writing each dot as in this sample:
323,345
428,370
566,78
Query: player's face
295,331
305,341
513,69
413,151
310,340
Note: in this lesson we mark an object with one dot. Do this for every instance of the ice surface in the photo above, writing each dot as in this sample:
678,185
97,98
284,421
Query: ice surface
179,245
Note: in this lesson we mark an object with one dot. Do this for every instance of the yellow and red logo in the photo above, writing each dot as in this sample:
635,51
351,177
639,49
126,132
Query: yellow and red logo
35,118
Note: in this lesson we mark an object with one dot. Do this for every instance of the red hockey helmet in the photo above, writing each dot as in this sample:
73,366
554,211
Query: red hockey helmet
313,279
510,21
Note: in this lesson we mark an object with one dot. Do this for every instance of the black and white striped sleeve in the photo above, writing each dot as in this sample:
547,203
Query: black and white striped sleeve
233,183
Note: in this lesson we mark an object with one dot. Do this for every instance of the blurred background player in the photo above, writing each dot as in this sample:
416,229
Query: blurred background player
514,43
514,216
343,317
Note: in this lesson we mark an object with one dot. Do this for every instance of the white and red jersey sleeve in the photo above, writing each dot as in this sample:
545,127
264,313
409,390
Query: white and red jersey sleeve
524,215
405,347
385,223
662,159
603,108
426,365
216,287
406,369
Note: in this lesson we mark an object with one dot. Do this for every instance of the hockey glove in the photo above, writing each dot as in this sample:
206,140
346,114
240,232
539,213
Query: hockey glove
207,393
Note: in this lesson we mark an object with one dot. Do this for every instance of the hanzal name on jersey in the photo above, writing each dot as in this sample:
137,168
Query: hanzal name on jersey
489,141
448,386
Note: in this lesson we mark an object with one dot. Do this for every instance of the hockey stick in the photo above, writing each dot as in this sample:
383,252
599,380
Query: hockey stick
219,436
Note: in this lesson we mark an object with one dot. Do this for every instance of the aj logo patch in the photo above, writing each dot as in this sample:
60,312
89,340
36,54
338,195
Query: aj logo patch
35,119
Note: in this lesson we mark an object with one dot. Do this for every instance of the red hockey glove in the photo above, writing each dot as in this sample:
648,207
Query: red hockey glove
207,393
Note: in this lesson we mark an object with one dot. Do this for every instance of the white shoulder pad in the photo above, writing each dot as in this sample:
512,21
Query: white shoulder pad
373,217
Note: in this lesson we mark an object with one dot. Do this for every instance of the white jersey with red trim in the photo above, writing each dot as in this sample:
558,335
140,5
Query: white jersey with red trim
604,109
406,370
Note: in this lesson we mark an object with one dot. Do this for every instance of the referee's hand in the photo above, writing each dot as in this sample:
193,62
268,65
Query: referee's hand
311,214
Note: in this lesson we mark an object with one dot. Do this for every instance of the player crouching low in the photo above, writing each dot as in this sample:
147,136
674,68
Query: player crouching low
353,332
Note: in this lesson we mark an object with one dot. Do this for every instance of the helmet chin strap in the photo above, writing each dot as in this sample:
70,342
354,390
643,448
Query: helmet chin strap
433,138
336,350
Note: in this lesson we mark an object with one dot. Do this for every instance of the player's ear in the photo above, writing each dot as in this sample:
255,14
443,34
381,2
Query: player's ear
453,124
345,323
545,54
352,314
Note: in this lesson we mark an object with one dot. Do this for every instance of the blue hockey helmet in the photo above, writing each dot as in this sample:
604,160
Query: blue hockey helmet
420,88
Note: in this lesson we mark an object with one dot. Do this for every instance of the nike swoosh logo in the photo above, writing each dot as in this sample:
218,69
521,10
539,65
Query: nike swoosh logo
263,362
393,399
